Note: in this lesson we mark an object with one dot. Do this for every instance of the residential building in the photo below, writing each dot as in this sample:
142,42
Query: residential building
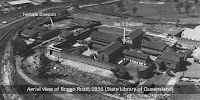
111,52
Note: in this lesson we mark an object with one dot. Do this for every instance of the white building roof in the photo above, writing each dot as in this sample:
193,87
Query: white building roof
197,28
191,34
18,2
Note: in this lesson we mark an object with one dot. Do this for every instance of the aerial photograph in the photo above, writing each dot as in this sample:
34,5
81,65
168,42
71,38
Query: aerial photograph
100,49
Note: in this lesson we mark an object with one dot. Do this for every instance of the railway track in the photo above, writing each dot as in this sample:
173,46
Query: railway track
11,33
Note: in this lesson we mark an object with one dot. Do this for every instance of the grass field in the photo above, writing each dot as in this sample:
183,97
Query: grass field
166,10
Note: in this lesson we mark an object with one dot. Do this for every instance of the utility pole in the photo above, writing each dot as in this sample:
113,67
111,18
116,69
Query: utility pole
52,22
124,36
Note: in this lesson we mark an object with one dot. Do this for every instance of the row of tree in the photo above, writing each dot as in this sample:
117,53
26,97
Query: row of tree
185,6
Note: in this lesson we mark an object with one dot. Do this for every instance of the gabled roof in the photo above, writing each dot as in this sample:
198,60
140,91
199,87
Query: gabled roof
174,52
135,54
113,47
104,37
154,45
170,58
135,33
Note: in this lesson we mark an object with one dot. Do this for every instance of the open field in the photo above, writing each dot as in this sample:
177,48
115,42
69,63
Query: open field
154,11
166,10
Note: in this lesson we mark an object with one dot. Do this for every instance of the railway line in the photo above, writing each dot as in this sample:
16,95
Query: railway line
11,33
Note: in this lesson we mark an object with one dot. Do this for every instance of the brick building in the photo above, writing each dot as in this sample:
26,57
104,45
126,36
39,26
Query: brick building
111,52
100,40
136,56
171,60
153,48
134,39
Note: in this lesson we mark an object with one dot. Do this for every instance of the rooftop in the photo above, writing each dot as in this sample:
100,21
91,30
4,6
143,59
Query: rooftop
154,45
112,47
135,33
135,54
63,44
171,58
104,37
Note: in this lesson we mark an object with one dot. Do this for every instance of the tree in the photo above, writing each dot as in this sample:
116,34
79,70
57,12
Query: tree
45,66
120,5
75,5
134,9
19,46
196,1
179,6
188,6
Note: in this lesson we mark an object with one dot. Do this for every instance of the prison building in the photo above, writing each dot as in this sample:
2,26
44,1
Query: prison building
50,34
55,49
171,60
134,39
136,56
111,53
33,32
65,34
153,48
100,40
